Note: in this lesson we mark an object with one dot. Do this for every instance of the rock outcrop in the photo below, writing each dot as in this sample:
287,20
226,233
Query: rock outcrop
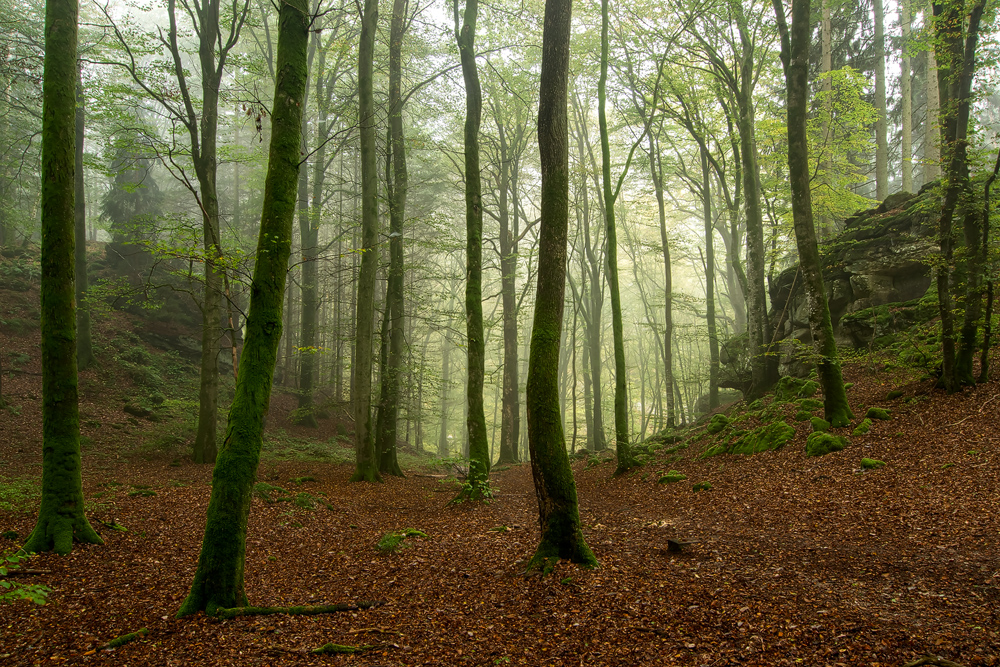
882,257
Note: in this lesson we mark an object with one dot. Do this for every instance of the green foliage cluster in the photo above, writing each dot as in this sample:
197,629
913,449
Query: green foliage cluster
393,540
821,443
15,590
18,494
18,274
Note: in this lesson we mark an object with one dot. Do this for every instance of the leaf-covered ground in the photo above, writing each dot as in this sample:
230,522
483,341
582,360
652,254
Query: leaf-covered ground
798,560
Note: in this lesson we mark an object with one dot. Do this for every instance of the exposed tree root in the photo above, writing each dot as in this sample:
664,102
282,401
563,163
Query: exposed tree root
932,660
233,612
329,649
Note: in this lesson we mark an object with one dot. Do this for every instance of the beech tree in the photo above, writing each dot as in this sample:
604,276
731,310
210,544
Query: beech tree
795,58
559,515
61,520
218,580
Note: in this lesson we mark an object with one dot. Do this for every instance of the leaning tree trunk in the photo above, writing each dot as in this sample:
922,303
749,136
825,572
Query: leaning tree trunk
479,450
366,468
61,520
559,515
795,57
218,581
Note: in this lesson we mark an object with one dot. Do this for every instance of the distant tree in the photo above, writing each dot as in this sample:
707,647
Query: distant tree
61,520
84,347
218,580
559,515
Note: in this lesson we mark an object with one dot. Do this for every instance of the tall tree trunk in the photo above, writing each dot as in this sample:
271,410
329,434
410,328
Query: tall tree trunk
795,57
906,92
656,173
443,446
984,355
398,182
623,450
478,486
61,520
881,121
218,580
366,468
84,347
559,516
713,333
932,123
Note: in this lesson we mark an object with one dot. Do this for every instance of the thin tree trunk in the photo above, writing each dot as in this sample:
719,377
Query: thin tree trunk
906,92
84,347
932,123
656,172
881,121
713,334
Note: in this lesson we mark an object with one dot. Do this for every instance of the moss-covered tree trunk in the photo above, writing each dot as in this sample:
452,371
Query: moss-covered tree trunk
366,467
218,581
795,57
623,449
61,520
84,346
398,184
479,448
559,516
955,47
713,333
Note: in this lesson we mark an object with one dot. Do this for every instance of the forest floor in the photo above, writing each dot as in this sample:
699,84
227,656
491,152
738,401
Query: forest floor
799,560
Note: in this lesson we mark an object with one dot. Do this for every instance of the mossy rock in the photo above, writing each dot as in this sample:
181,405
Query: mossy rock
872,464
756,405
671,477
790,388
702,486
763,438
819,425
863,427
718,422
821,443
810,404
877,413
803,415
894,394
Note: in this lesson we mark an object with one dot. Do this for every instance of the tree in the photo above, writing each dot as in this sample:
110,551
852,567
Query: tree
479,448
881,142
795,58
366,467
559,515
956,39
84,348
622,449
218,581
61,520
906,93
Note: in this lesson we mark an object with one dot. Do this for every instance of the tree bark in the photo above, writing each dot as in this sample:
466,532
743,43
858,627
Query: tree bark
61,520
479,449
932,122
559,516
906,92
84,347
795,58
366,467
713,333
881,141
218,580
656,173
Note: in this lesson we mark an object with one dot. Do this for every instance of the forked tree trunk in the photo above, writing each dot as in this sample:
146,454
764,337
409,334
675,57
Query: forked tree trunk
218,580
61,520
559,516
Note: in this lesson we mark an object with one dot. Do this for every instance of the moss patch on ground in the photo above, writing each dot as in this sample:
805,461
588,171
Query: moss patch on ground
761,439
821,443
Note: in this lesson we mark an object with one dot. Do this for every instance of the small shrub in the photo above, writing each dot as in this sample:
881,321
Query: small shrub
872,464
305,501
821,443
15,590
393,540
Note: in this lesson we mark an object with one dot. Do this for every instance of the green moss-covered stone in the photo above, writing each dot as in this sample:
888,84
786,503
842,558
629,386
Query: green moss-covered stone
718,422
764,438
872,464
803,415
819,424
894,394
821,443
671,477
756,405
863,427
714,450
702,486
877,413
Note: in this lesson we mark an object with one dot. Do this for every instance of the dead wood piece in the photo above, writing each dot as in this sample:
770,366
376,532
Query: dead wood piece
932,660
128,638
677,546
384,631
234,612
24,570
